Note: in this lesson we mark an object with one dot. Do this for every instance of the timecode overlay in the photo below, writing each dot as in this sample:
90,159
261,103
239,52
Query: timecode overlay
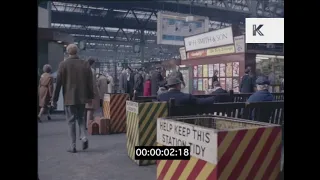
162,152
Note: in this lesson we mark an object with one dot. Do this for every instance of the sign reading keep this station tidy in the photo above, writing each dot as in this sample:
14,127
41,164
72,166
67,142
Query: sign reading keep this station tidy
210,39
202,141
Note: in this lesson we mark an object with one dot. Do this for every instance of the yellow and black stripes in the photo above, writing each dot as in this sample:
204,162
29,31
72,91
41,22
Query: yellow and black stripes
142,127
132,133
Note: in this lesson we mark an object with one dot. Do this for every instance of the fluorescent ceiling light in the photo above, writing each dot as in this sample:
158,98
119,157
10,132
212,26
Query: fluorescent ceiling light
261,58
266,56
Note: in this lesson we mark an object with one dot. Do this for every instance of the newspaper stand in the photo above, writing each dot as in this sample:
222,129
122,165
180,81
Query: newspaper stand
220,147
142,126
114,108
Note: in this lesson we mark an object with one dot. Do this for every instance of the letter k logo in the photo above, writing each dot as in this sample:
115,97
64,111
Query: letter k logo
257,30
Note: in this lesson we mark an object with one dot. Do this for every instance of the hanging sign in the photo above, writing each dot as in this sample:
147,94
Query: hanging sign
220,50
183,54
239,44
210,39
172,28
196,54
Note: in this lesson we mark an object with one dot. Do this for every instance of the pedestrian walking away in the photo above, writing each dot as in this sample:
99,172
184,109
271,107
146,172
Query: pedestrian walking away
75,78
45,92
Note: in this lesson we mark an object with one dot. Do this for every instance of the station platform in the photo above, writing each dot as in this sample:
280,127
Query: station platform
106,158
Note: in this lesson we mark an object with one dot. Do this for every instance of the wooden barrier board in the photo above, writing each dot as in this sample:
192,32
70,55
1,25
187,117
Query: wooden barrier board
241,150
141,126
114,108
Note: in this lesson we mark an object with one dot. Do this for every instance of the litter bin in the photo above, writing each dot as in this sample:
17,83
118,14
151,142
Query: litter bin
142,126
114,108
221,148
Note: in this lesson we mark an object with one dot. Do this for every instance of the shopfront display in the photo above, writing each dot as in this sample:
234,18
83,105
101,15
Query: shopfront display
228,76
205,70
235,68
200,84
229,58
211,70
222,70
222,82
208,53
186,73
200,71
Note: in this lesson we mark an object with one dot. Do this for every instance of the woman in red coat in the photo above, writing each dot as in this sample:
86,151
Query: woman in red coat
147,86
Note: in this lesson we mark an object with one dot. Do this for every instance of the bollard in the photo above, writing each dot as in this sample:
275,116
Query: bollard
141,126
232,149
114,108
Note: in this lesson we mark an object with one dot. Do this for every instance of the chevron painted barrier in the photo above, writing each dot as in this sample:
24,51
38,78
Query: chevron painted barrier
141,126
233,150
114,108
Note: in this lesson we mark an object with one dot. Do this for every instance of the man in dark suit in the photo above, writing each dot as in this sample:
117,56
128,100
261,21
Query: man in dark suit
247,84
156,80
138,84
174,85
214,77
221,95
75,77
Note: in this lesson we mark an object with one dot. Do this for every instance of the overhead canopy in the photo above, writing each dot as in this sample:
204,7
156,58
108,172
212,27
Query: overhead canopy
49,34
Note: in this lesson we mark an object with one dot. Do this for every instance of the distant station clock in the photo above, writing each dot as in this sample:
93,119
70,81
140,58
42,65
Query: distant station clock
136,48
82,45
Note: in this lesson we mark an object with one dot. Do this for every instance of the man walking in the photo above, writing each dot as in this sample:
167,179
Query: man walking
75,77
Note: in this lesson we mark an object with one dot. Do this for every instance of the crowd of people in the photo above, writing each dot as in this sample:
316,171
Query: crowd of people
83,90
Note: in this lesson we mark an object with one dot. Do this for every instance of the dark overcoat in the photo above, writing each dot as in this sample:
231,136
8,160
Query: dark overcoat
74,76
156,80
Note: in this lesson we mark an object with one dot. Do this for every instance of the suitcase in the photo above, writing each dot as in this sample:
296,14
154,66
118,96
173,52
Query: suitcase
93,128
99,126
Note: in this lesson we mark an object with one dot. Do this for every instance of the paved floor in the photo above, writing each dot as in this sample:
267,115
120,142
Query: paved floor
106,159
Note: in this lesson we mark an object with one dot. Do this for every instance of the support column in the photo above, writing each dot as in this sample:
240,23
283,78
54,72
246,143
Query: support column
55,55
115,63
49,7
142,44
253,8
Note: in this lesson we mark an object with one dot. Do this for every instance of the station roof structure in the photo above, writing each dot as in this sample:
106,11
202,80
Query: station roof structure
106,26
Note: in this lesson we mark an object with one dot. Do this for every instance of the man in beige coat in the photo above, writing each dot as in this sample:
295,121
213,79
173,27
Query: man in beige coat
75,77
102,83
